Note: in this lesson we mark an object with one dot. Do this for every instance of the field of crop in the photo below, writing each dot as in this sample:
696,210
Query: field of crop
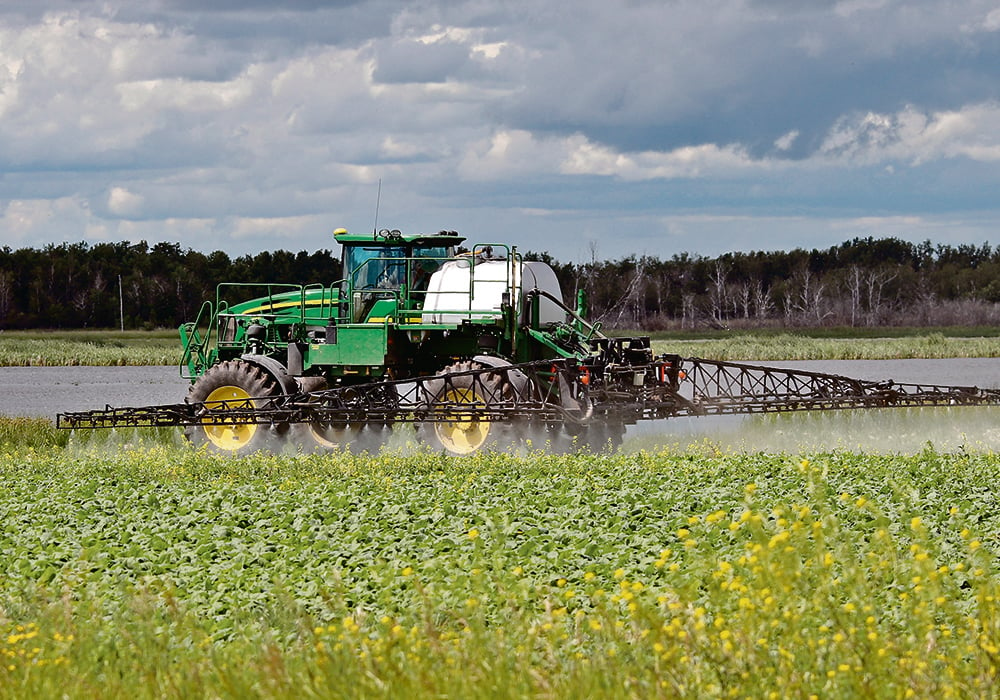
138,568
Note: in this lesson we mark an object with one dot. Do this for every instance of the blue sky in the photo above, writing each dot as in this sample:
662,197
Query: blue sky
577,127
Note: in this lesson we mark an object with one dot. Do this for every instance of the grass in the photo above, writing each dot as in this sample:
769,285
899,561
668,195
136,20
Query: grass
795,347
102,348
843,332
134,568
31,433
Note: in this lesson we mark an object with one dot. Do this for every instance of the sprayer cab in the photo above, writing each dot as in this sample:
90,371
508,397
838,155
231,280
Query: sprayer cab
391,262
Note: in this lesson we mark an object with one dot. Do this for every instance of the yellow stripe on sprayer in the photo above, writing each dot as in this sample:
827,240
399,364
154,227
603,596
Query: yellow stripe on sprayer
287,305
390,319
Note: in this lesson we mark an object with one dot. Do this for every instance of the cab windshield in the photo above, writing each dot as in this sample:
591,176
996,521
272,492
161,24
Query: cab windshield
375,267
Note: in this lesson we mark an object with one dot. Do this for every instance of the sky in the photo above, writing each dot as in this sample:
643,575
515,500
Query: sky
587,129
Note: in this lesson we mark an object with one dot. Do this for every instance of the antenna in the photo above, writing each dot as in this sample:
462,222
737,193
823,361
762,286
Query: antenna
378,200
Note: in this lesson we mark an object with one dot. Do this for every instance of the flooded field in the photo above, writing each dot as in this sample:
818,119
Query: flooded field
46,391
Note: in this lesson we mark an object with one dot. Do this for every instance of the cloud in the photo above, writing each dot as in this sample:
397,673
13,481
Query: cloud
702,160
124,203
242,123
785,141
989,23
420,61
917,137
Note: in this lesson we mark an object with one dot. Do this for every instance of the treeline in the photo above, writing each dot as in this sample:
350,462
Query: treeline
81,286
863,282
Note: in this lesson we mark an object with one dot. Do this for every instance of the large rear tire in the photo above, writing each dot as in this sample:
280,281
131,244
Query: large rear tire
461,433
349,435
232,381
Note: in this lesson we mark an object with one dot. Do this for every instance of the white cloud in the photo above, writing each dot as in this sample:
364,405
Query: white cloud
586,158
279,228
849,8
508,153
187,95
917,137
124,203
785,141
992,21
25,221
988,23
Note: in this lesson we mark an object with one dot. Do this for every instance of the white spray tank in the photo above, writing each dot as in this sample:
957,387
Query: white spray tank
473,288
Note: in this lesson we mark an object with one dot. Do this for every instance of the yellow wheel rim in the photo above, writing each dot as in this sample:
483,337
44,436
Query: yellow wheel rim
464,434
228,437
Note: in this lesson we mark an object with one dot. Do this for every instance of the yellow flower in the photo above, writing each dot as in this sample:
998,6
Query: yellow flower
408,571
473,533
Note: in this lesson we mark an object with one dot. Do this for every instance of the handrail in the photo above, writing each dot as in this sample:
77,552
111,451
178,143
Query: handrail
194,344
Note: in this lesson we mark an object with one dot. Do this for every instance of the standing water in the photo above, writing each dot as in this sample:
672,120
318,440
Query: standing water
46,391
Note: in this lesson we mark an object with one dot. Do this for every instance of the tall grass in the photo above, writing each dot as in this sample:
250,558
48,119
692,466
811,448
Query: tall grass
72,349
30,433
793,347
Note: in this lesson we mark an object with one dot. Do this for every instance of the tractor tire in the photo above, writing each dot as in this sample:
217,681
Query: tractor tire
463,435
354,436
228,381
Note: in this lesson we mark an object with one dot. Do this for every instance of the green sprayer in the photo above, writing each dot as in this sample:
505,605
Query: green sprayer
476,347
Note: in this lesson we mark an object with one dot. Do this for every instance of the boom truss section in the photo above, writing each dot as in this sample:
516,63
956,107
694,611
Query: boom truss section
553,392
718,387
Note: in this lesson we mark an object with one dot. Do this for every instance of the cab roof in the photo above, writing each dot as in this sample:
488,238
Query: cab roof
395,237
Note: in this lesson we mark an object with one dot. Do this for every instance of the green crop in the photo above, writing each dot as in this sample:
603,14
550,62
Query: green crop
163,571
